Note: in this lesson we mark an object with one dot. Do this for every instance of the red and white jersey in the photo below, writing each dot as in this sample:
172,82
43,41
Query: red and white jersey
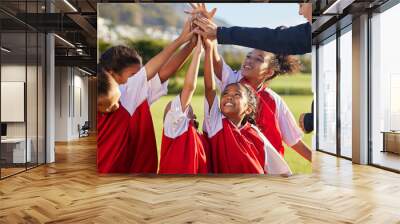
182,148
137,95
274,120
126,140
240,150
113,155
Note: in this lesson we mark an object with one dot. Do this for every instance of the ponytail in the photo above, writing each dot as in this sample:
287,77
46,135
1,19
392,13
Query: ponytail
283,64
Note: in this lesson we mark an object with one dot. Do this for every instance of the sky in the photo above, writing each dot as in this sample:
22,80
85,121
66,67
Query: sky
258,14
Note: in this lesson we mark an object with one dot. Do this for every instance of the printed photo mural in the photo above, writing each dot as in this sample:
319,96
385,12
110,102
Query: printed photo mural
194,88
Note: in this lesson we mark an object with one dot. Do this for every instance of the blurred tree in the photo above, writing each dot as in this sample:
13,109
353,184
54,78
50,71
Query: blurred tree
306,63
233,60
103,46
147,48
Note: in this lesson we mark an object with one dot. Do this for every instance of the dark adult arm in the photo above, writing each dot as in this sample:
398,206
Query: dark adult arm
309,120
292,40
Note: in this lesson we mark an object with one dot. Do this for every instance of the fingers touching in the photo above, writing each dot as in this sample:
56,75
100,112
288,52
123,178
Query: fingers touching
200,8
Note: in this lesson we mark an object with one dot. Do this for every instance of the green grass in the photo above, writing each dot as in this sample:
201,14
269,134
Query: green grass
297,104
299,84
292,81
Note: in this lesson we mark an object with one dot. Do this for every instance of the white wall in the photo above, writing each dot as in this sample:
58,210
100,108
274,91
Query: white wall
80,100
61,103
71,93
16,73
33,126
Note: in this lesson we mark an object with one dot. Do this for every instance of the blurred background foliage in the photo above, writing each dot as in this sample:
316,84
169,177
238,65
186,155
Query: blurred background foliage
295,84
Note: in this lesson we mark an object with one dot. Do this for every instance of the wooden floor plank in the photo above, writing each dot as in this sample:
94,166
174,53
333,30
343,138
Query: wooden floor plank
71,191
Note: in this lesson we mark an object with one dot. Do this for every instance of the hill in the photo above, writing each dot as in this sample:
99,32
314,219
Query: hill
143,15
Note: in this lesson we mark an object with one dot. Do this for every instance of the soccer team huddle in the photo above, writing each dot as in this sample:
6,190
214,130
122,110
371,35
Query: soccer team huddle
244,126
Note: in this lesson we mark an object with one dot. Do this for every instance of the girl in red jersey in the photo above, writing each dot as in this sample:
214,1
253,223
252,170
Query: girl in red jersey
126,141
274,119
182,148
237,146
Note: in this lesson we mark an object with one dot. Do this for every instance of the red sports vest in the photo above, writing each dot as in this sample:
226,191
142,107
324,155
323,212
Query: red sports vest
267,120
232,152
184,154
113,155
142,141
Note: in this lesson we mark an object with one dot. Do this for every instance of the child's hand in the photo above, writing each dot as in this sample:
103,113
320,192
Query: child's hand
207,27
207,43
186,33
193,40
200,8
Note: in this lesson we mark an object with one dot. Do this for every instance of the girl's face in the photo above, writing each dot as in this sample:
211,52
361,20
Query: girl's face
234,104
255,67
127,72
109,103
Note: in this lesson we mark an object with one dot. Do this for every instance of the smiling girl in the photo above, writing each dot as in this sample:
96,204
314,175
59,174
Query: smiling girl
237,145
274,118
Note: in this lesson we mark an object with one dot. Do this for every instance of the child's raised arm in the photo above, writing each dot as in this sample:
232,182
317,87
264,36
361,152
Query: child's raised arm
217,62
189,85
209,82
176,61
216,58
154,64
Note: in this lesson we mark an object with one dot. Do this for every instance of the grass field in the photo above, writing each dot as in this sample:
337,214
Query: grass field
298,84
297,103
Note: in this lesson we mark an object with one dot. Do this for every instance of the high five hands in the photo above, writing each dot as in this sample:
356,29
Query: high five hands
201,20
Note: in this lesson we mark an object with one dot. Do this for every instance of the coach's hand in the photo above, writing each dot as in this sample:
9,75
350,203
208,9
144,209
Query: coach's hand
208,28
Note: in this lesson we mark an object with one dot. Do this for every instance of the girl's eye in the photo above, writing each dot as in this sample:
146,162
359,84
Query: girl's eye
260,60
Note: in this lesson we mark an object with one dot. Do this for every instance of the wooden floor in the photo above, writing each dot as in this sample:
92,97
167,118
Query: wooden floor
70,191
387,159
10,171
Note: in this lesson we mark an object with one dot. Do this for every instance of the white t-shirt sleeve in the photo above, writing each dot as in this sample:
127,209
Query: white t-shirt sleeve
228,76
275,164
135,91
156,89
176,120
212,118
291,133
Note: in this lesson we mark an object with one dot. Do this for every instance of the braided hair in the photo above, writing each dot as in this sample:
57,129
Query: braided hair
283,64
252,102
